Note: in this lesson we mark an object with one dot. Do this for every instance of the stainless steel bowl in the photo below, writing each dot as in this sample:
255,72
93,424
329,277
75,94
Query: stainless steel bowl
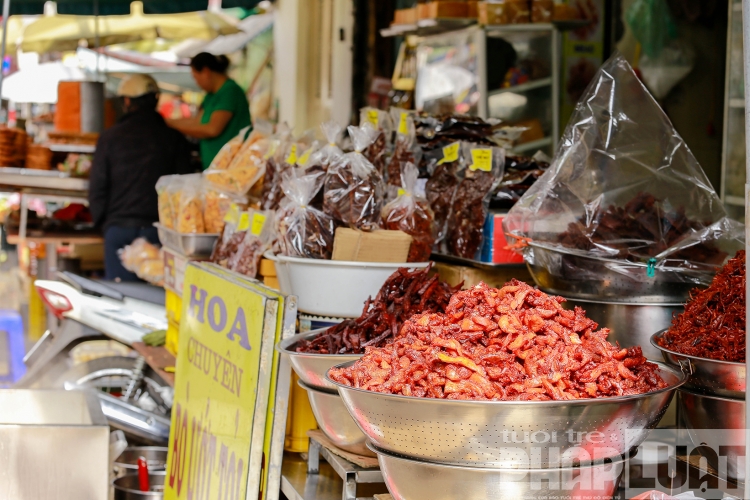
335,422
716,422
312,368
127,487
509,434
709,376
156,458
590,278
409,479
630,324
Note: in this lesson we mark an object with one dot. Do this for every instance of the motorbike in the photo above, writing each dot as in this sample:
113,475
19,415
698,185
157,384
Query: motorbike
134,398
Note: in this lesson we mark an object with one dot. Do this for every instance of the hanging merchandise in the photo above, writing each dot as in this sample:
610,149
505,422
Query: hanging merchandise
354,189
406,148
480,171
380,121
412,215
301,229
624,194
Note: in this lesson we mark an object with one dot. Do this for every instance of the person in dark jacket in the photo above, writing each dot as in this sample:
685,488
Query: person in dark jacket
130,157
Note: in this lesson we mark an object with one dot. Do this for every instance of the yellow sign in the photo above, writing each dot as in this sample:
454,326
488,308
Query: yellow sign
401,191
403,123
244,222
217,375
259,221
373,116
292,158
233,214
481,159
450,153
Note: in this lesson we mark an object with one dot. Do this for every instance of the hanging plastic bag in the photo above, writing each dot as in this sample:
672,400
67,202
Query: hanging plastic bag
190,207
623,192
412,215
406,150
442,165
354,189
662,73
652,25
303,230
380,122
255,241
226,154
480,172
166,187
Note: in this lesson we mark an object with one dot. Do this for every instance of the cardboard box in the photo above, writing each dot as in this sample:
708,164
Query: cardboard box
443,10
454,274
506,12
377,246
405,16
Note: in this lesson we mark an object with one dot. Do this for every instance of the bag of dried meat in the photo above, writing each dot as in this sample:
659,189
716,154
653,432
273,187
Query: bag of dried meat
442,165
406,147
256,240
216,205
480,171
323,158
354,189
411,214
301,229
228,151
166,186
190,205
236,222
276,156
621,195
380,121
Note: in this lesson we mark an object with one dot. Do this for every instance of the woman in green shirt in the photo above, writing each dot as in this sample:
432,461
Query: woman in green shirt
224,112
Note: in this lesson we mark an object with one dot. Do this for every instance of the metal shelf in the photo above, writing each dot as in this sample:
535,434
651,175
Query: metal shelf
524,87
71,148
42,179
528,146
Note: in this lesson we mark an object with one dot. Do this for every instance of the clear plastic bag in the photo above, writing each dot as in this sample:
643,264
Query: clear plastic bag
246,167
624,190
301,229
480,172
166,187
216,205
226,154
235,224
412,215
143,259
354,189
380,121
329,154
442,165
190,207
276,156
406,149
255,241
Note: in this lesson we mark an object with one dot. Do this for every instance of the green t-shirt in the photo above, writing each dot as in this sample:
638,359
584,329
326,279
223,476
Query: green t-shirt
230,97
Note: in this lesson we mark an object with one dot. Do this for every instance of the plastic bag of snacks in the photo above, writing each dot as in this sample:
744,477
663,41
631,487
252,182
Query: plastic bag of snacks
442,165
323,158
412,215
247,166
480,172
275,164
166,188
381,121
256,240
354,189
143,259
216,204
190,206
301,229
236,222
226,154
624,191
406,150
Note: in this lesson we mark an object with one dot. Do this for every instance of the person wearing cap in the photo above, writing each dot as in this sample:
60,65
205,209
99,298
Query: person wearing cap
129,159
224,112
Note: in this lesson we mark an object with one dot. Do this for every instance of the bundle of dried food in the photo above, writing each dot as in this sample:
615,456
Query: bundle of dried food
226,154
246,167
354,189
480,170
406,149
255,241
168,201
236,223
380,131
411,214
216,205
437,131
513,344
301,229
631,188
323,158
275,158
404,294
443,165
189,205
519,175
713,324
143,259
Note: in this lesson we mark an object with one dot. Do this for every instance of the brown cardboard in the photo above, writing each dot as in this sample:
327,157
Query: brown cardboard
377,246
497,277
443,10
405,16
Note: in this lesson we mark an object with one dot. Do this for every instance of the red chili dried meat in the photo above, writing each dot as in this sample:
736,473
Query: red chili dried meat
515,343
713,324
469,213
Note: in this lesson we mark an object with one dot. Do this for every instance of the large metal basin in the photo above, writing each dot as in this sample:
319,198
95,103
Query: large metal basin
509,434
127,462
630,324
409,479
127,487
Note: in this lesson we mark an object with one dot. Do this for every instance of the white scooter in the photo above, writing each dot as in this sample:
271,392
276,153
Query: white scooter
133,397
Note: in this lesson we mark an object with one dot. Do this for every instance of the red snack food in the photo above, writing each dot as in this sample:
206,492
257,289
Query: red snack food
713,324
514,343
403,294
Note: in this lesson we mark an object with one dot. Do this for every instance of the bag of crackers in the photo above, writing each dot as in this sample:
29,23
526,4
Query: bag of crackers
226,154
216,205
246,166
190,205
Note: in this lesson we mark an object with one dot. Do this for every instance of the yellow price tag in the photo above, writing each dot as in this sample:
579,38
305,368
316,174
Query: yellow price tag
302,160
292,158
403,124
481,159
450,153
244,223
271,149
259,221
232,214
401,191
372,116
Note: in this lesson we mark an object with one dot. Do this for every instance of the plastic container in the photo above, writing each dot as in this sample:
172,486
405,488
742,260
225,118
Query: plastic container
333,288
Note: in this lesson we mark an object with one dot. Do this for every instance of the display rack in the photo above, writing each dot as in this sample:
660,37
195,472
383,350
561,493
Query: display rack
72,148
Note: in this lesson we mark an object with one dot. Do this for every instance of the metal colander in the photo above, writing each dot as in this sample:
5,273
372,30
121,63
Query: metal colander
509,434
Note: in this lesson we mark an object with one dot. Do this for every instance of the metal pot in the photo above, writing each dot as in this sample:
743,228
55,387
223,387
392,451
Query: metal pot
126,487
630,324
127,462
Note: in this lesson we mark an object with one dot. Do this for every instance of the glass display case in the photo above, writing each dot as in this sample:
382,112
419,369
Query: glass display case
510,72
732,189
